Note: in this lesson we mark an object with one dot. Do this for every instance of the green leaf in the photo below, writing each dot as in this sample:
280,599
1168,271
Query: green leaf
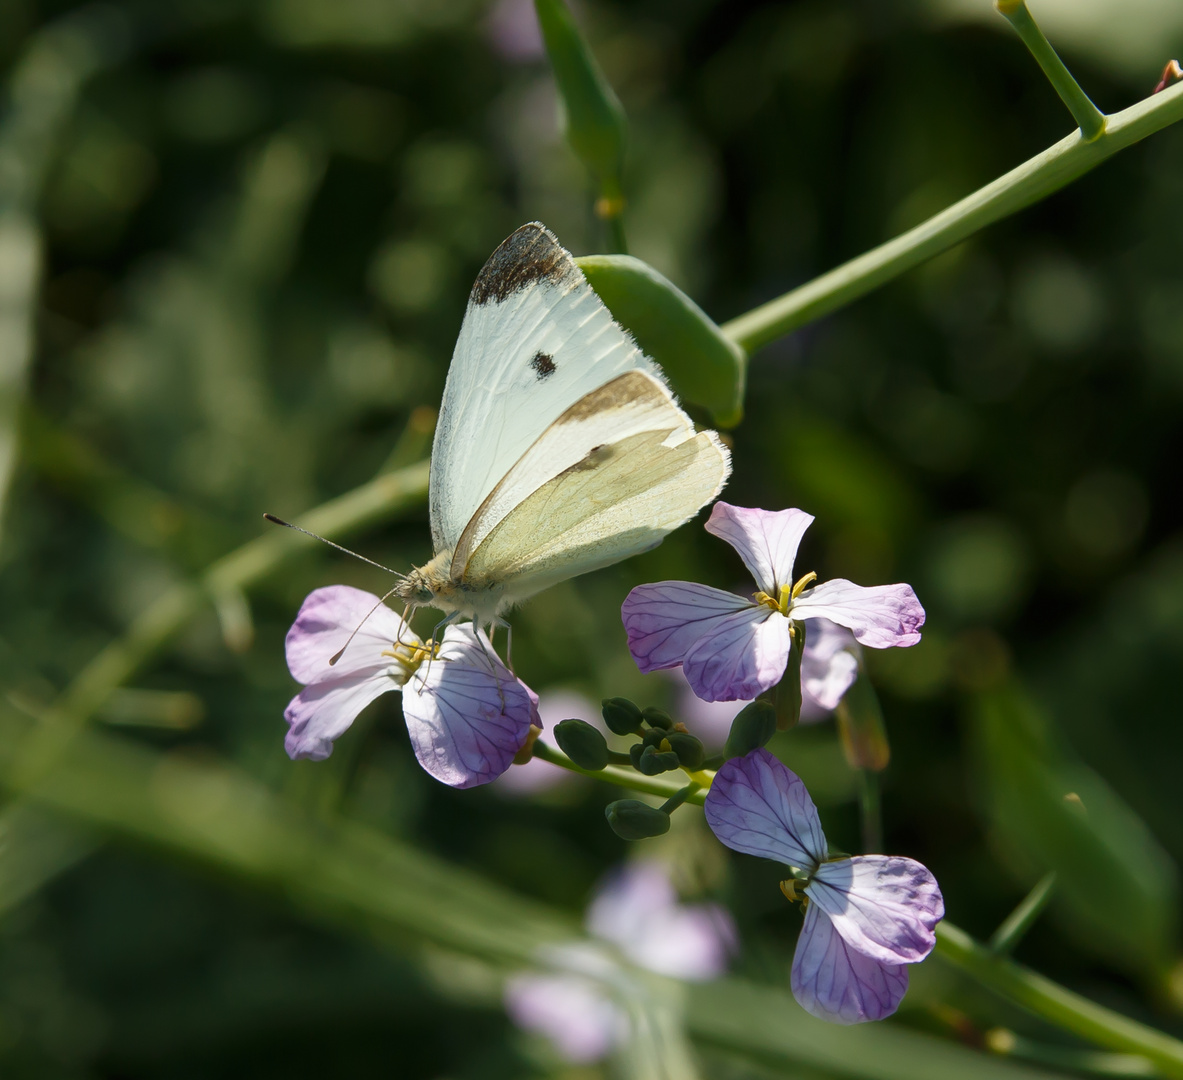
704,367
1049,811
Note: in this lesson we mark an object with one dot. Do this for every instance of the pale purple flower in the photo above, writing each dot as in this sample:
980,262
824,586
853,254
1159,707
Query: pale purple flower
732,648
536,775
466,713
637,911
866,916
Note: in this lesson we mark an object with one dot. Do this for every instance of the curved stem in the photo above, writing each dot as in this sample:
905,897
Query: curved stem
377,500
1046,999
1033,180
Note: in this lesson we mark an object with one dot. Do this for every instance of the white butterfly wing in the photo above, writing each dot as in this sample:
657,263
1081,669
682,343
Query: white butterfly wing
535,339
633,470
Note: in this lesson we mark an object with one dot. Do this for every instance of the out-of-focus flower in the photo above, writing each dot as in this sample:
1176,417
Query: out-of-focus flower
637,911
866,917
538,775
466,713
734,649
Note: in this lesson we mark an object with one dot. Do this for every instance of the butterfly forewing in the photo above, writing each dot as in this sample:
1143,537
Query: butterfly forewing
535,339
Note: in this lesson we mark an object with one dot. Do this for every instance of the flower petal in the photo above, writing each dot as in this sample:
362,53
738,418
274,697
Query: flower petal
828,668
766,540
884,906
582,1022
326,619
880,616
466,714
758,806
638,910
739,656
834,982
324,710
665,619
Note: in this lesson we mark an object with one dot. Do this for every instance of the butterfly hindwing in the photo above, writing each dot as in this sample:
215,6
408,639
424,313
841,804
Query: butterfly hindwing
642,472
535,339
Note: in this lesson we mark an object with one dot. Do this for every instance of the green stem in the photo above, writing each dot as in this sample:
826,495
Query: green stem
377,500
870,811
1019,921
1035,179
674,801
1057,1005
1088,117
1044,998
664,785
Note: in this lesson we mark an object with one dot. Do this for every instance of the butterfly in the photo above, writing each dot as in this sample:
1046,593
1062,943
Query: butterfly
559,447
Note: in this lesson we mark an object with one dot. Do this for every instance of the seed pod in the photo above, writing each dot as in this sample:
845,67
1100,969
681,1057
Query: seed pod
582,743
752,728
632,819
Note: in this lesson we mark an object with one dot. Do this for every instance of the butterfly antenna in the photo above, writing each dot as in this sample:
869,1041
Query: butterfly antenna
315,536
341,651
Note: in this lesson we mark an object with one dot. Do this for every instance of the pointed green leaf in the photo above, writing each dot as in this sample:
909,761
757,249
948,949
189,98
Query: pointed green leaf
1050,811
704,366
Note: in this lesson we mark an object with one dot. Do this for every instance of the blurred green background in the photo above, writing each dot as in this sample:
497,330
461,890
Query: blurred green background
258,225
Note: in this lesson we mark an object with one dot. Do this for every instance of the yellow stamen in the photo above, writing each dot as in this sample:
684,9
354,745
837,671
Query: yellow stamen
789,888
780,604
803,584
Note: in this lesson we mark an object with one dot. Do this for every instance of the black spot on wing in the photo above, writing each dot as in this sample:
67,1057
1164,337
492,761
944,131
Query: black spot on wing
528,256
543,365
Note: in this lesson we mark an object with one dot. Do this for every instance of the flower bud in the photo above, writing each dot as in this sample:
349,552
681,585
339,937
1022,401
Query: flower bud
632,819
752,728
657,718
652,761
653,737
621,715
688,748
593,119
582,743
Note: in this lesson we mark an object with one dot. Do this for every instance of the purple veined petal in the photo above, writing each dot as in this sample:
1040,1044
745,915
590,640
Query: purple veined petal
879,616
326,619
324,710
834,982
758,806
884,906
465,712
665,619
582,1022
828,668
537,775
637,909
766,540
740,656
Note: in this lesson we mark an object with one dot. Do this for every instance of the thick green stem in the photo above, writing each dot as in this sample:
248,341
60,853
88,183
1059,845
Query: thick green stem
1088,117
1035,179
1019,921
870,811
1058,1005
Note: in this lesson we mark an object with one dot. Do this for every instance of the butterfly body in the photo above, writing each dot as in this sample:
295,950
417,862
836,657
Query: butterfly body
559,447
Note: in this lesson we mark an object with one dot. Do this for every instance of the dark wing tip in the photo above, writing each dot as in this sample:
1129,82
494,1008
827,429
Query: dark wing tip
529,255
